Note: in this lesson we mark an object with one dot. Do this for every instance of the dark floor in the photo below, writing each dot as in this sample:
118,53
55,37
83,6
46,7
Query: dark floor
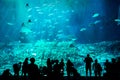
65,78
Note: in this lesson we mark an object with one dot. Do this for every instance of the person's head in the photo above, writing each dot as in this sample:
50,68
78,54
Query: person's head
26,59
113,60
107,60
20,63
32,60
88,55
96,60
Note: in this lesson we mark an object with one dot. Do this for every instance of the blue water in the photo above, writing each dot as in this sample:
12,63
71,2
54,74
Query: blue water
59,20
54,23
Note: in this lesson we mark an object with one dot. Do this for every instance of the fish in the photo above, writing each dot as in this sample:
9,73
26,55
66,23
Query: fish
37,7
96,15
29,16
11,24
29,9
98,21
83,29
117,20
40,12
36,20
27,5
94,23
74,39
25,30
51,14
29,21
60,31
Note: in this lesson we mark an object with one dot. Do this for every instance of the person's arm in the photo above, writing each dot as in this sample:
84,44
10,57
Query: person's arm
84,60
91,60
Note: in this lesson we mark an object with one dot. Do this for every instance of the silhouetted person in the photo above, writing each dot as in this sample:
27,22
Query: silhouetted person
69,68
97,68
118,67
62,68
88,60
43,70
56,70
6,75
114,70
111,70
16,68
25,67
49,67
107,68
76,75
33,71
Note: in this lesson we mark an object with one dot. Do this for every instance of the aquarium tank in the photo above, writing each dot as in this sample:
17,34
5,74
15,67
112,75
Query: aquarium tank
59,29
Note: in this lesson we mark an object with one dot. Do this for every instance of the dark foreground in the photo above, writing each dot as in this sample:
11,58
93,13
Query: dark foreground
64,78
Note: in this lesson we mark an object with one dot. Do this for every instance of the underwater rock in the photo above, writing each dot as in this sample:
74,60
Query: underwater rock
43,49
114,48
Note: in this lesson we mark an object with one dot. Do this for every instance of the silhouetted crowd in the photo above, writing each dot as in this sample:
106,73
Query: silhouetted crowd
55,70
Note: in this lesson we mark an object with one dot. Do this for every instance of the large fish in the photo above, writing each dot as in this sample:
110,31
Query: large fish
83,29
26,30
96,15
118,20
10,24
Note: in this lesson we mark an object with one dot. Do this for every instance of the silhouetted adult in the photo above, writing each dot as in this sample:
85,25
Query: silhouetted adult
107,68
114,70
25,67
6,75
33,71
97,68
62,68
56,70
88,60
69,68
49,67
118,67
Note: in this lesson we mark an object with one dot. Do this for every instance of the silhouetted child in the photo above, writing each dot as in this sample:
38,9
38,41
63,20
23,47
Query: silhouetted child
97,68
16,68
88,60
